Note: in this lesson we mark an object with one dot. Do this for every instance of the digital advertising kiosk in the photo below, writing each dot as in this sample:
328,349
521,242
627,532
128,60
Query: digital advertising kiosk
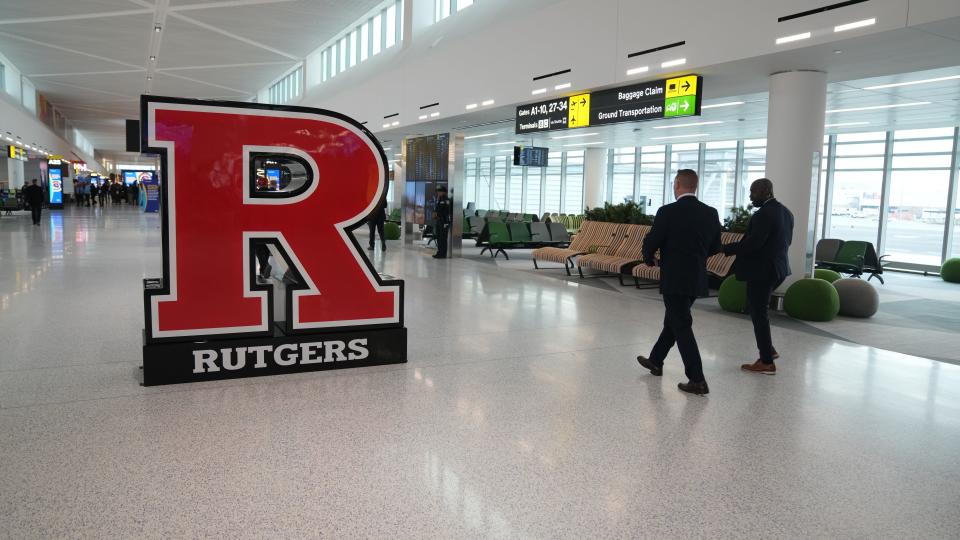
213,314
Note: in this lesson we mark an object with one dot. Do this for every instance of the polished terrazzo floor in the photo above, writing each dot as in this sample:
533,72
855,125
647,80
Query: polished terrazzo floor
521,414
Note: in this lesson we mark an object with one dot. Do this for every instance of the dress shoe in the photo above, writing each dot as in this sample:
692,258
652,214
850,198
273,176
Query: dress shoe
439,257
760,367
698,388
383,247
370,247
648,364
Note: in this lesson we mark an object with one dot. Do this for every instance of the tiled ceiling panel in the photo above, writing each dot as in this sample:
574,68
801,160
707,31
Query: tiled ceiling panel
185,44
122,40
27,9
296,27
249,78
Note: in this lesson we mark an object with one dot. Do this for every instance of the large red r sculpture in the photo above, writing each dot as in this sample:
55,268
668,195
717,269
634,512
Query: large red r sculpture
212,219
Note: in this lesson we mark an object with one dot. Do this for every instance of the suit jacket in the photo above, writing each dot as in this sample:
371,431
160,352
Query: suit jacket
379,214
686,232
33,195
762,254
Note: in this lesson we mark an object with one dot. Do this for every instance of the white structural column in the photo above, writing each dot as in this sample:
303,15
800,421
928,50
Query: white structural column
798,102
594,176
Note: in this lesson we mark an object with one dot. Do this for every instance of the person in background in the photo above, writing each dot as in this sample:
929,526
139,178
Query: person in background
76,192
375,222
33,195
763,263
135,193
685,232
102,193
94,193
442,214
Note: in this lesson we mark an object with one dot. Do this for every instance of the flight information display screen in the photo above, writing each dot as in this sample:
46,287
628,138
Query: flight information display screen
530,156
428,158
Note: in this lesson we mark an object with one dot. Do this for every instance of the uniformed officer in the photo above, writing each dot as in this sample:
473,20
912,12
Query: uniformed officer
442,215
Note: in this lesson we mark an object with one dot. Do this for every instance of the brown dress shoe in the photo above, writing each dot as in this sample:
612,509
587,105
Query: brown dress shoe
760,367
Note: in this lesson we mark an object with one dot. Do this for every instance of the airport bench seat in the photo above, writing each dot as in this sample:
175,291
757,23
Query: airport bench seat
628,254
594,236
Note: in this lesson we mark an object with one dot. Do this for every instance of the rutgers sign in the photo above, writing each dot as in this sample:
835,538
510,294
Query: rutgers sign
210,316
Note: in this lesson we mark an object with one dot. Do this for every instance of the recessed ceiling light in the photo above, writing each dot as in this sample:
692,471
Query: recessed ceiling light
487,103
710,123
153,58
423,117
795,37
875,107
910,83
673,63
575,135
149,78
681,136
718,105
845,124
482,135
857,24
395,123
539,91
471,106
386,125
434,114
500,143
9,139
638,70
563,86
583,144
157,28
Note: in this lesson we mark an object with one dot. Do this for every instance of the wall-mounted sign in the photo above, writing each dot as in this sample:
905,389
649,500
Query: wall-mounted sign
15,152
665,98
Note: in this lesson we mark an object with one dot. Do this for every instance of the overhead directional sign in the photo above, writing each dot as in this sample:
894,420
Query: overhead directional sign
665,98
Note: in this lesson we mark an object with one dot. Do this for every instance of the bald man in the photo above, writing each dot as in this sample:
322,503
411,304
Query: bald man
685,232
763,263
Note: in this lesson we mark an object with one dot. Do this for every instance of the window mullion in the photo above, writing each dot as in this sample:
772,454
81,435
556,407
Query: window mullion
950,219
885,193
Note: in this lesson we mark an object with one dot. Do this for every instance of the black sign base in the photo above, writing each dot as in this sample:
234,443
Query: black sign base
171,363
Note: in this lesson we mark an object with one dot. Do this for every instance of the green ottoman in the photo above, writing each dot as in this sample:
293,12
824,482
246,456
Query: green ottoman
950,271
733,295
826,274
391,231
812,299
858,298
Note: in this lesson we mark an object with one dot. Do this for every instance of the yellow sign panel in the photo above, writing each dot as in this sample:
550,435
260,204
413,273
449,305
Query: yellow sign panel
579,113
682,86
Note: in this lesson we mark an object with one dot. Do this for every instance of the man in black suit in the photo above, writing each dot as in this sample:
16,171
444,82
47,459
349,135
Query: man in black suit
33,194
763,263
686,232
376,222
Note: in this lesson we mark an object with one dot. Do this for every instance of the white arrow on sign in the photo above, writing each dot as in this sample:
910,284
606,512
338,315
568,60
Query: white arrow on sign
686,106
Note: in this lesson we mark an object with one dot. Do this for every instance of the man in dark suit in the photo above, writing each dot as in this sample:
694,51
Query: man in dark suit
376,222
686,232
33,194
763,263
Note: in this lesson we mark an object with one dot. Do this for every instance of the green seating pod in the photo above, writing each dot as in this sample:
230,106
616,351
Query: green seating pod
391,231
733,295
826,274
950,271
812,299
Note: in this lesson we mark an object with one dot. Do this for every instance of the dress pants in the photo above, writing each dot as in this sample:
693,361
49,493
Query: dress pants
442,233
758,302
35,213
376,227
678,329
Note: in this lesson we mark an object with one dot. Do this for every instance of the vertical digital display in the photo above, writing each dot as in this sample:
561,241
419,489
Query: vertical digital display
273,179
55,186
